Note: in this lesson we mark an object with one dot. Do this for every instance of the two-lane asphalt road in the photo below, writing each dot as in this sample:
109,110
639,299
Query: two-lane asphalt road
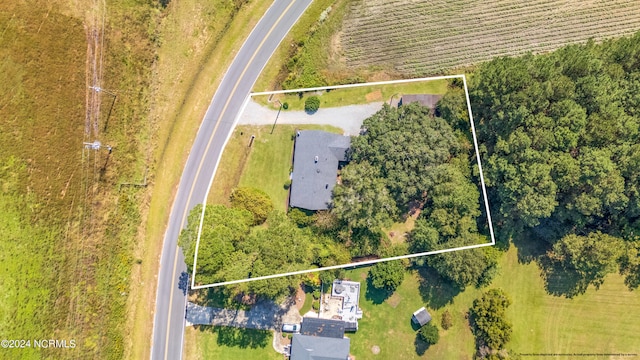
168,327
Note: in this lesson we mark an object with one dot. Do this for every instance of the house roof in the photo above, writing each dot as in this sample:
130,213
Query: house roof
304,347
315,164
427,100
322,327
421,316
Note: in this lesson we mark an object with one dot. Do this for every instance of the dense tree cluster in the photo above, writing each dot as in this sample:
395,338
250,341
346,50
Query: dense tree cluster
561,140
404,145
562,137
405,160
488,320
232,247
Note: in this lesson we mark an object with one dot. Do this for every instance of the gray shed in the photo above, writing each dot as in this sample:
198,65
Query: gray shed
427,100
421,317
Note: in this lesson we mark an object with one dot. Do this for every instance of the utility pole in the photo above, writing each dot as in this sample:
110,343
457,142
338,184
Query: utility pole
278,114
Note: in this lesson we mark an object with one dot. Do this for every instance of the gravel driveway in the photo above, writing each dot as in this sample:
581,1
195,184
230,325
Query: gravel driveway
349,118
265,315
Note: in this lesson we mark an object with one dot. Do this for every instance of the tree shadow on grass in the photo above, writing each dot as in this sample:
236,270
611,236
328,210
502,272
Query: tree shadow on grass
236,337
435,290
421,346
559,281
529,248
376,296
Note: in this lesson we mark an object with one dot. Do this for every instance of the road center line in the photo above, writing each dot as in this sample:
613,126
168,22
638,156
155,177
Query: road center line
186,210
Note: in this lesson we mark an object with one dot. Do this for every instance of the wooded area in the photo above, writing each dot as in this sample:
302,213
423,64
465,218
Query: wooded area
560,139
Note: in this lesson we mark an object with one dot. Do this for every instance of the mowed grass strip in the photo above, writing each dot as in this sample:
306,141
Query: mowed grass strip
357,95
597,322
265,165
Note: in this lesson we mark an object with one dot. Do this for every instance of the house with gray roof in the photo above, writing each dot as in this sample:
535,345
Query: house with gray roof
317,156
305,347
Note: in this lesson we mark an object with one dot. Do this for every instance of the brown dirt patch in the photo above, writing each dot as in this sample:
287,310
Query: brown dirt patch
374,96
394,300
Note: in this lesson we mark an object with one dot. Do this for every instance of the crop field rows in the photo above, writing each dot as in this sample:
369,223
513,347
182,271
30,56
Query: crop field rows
427,38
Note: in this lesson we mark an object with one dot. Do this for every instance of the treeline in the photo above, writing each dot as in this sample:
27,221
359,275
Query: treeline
559,136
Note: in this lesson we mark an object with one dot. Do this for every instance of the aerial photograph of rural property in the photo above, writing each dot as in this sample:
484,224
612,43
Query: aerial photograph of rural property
319,179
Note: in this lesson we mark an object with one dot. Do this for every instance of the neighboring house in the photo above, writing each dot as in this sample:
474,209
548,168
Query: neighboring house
322,327
320,339
317,156
427,100
421,317
305,347
349,293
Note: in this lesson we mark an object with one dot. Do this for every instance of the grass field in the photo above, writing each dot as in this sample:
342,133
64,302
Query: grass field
265,166
596,322
69,230
433,37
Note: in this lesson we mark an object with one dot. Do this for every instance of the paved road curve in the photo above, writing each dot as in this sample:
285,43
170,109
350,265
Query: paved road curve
168,327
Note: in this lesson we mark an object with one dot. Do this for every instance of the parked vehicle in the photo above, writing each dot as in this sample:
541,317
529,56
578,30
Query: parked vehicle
290,328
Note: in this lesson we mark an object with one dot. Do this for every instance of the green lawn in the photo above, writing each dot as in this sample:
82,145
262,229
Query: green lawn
265,166
358,95
225,343
596,322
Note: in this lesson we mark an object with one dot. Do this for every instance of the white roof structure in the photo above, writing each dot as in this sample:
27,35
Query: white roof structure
349,291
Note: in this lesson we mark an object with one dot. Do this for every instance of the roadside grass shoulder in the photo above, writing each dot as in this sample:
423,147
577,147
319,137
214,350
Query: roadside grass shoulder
196,40
265,165
297,40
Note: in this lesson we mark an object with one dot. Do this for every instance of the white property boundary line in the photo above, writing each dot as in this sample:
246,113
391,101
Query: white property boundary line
367,262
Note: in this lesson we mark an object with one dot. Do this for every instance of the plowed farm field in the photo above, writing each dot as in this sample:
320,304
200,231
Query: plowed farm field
429,37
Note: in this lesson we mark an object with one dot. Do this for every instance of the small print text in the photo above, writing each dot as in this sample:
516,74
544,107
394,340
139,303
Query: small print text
38,344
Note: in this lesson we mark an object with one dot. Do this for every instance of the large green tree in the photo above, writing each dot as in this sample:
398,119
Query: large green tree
253,200
387,275
488,319
222,229
592,257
